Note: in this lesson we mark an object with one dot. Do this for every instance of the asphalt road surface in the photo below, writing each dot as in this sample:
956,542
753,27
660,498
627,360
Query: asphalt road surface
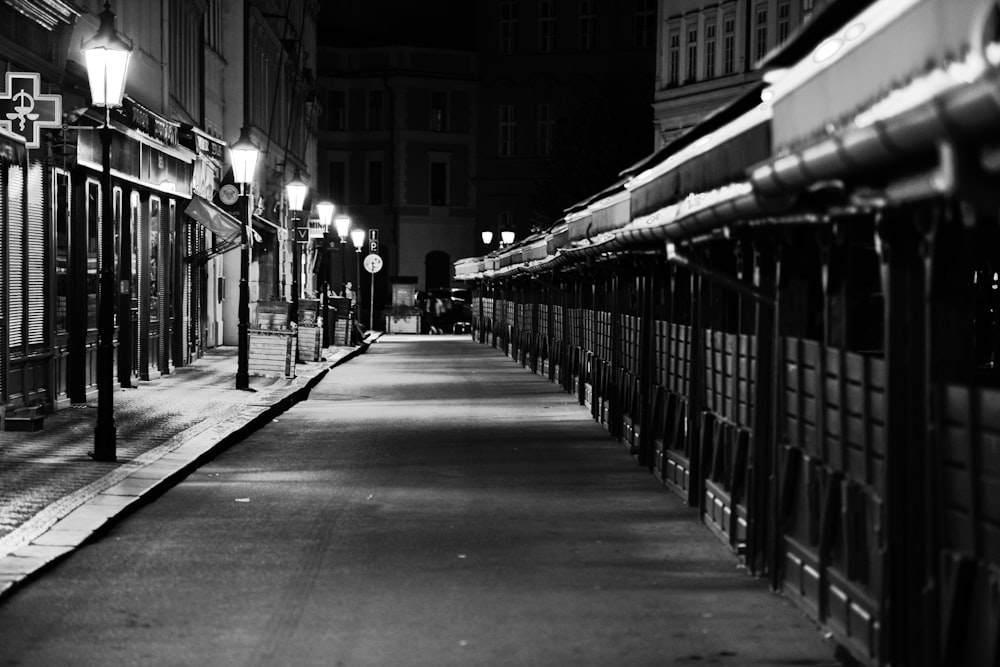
432,503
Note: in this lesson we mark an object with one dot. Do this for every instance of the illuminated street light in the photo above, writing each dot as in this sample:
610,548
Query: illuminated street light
296,189
243,154
107,56
343,224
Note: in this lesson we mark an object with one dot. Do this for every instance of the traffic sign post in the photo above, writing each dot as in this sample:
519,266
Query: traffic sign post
373,264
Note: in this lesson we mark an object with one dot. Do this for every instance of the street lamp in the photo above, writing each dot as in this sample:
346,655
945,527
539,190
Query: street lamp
297,191
507,237
343,224
326,210
107,56
243,155
357,239
487,237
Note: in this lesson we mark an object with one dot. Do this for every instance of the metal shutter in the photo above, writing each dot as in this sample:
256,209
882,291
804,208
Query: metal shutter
35,255
15,285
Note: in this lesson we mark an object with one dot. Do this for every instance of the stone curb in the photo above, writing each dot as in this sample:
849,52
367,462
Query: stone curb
82,515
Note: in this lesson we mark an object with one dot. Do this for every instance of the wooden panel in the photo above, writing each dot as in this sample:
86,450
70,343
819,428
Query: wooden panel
272,353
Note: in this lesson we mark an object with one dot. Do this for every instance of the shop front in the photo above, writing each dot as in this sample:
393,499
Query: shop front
151,176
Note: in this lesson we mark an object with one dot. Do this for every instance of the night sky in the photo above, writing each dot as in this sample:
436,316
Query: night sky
424,23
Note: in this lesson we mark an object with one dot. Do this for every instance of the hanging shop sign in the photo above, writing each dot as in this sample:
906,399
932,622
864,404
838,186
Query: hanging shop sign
147,121
25,111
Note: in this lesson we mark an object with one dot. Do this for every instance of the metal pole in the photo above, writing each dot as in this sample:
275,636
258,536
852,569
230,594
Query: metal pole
296,268
105,433
243,312
357,284
371,313
296,279
343,264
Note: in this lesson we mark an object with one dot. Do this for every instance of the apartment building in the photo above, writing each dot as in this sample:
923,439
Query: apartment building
706,53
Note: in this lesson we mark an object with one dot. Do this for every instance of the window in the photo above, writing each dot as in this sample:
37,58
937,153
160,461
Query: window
16,280
264,77
213,25
645,23
546,126
186,38
807,9
674,59
692,54
505,147
760,32
62,224
374,182
728,45
439,111
93,215
546,26
709,50
337,181
375,110
336,111
508,26
439,182
588,25
153,281
784,9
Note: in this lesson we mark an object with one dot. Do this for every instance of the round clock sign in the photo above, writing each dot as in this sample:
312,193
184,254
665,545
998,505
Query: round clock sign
228,194
373,263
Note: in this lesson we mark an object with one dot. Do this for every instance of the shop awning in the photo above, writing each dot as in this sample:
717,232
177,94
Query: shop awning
214,219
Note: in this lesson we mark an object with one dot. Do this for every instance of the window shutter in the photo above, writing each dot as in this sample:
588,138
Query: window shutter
15,226
36,252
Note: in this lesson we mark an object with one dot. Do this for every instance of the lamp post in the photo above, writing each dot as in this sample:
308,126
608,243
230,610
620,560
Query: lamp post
506,237
487,237
326,210
357,239
244,155
343,225
107,56
297,190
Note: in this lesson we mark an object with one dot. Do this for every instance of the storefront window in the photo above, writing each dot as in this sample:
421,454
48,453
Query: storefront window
62,219
154,259
136,205
93,228
117,205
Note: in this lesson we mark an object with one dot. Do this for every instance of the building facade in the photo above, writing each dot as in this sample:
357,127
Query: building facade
397,151
168,148
564,104
707,52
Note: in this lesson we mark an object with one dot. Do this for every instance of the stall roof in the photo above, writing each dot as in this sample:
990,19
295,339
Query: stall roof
829,19
722,116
